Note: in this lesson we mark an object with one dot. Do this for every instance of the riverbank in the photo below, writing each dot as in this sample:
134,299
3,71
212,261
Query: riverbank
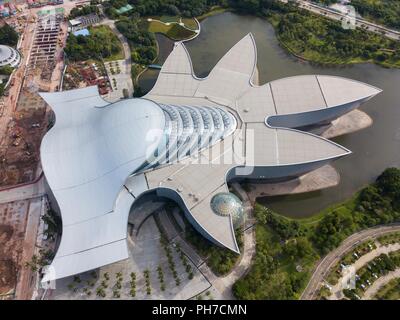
321,41
175,28
288,249
214,11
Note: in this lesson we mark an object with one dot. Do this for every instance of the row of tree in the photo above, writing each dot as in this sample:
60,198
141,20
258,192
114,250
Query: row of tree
287,249
386,12
94,46
83,11
185,8
142,42
8,35
376,204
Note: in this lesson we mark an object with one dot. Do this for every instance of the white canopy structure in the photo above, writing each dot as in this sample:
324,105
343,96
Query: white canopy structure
185,139
9,56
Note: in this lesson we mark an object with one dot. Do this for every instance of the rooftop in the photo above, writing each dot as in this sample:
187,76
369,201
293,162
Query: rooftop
100,157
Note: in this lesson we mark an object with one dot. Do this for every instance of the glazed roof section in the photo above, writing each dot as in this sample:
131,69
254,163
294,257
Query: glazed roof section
197,179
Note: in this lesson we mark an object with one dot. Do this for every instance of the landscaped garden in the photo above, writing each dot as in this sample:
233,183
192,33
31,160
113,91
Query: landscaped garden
321,40
288,249
172,30
372,271
101,43
349,259
391,291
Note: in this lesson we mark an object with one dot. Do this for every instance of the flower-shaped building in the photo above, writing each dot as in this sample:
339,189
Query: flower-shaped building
185,139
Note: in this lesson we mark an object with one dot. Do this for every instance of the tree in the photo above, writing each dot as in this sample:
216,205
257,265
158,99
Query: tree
6,70
389,182
8,35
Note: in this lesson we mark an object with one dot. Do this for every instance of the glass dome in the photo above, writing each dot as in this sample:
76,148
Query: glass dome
225,204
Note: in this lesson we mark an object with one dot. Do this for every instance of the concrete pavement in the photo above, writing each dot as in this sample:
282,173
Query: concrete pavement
24,192
123,79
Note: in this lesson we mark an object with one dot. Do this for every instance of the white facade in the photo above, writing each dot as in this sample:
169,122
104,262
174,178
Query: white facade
185,139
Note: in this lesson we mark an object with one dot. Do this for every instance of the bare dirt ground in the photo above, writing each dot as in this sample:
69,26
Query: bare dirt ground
19,150
24,119
12,233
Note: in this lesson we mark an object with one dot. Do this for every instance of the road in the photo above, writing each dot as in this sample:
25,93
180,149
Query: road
127,53
335,15
336,291
382,281
324,266
23,192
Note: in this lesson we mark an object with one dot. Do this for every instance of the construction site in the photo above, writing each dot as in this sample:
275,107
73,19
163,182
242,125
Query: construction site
44,48
24,119
84,74
12,231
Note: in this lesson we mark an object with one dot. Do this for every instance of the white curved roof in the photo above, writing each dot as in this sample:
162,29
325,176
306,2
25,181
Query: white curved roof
87,157
94,146
9,56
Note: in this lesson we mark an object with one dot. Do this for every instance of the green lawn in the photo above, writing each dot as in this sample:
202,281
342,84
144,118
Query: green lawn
105,32
190,23
169,19
173,31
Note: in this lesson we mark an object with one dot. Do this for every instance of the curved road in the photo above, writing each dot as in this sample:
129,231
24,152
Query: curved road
380,283
127,52
336,15
324,266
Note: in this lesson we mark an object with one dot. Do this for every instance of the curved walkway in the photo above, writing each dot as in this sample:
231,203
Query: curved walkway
372,290
224,284
362,261
127,52
196,32
324,266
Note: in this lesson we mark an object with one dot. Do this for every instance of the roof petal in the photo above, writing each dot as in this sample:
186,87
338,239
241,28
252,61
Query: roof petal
232,75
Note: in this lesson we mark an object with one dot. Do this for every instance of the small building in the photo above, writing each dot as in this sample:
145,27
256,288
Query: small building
74,24
83,22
